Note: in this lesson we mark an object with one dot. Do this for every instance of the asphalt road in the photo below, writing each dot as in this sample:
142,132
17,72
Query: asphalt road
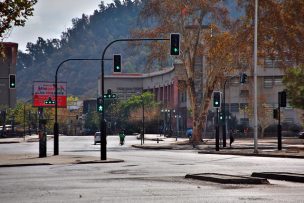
144,176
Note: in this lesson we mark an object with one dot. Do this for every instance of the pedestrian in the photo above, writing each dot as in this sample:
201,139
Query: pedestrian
231,137
122,137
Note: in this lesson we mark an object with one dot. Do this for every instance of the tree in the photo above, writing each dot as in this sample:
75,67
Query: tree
187,18
294,82
280,38
280,30
14,13
132,108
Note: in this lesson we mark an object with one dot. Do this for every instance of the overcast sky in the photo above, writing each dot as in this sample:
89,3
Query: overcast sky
51,18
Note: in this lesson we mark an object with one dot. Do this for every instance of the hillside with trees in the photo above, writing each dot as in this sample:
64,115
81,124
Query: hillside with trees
87,38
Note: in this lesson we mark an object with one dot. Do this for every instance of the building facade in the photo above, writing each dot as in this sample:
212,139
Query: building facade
238,97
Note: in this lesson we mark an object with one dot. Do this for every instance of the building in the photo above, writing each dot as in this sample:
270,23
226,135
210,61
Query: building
238,102
164,85
7,67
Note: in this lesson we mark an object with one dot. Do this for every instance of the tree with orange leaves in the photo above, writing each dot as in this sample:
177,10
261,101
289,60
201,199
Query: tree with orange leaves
189,18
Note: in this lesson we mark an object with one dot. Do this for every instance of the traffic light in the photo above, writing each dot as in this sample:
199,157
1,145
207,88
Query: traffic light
109,95
221,117
275,114
12,81
174,44
117,63
49,101
282,99
99,104
216,99
243,77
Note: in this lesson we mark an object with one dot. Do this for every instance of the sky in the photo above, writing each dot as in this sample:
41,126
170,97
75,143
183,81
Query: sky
51,18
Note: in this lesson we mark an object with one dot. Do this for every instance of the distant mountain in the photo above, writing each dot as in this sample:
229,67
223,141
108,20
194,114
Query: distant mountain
87,38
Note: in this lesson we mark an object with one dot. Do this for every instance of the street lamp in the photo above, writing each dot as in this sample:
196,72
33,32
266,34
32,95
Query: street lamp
142,137
177,117
56,125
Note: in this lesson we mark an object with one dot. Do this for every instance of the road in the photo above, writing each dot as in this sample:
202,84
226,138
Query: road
144,176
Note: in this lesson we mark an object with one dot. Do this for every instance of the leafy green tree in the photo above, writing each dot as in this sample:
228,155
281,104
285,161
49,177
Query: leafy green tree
136,102
92,121
14,13
294,82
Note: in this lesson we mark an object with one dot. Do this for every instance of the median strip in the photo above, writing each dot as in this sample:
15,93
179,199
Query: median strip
227,179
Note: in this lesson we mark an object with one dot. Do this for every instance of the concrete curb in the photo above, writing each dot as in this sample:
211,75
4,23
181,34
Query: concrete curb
293,177
260,154
227,179
156,147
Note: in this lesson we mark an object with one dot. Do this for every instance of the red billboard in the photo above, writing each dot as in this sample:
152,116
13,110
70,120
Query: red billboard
44,94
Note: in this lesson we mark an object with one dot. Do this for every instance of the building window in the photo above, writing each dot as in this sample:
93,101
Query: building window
269,63
234,107
268,82
288,120
244,93
277,80
244,121
243,106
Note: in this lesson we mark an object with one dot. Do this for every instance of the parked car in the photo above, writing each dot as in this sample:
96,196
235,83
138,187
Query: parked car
301,135
97,138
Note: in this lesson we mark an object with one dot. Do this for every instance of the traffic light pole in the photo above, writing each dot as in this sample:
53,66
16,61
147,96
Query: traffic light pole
279,130
56,125
103,140
217,133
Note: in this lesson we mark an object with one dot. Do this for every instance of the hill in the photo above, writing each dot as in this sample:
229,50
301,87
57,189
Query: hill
87,38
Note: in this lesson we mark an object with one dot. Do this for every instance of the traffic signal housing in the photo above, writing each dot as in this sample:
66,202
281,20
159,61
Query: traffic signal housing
12,81
216,99
243,77
282,99
276,114
99,105
174,44
109,95
49,101
117,63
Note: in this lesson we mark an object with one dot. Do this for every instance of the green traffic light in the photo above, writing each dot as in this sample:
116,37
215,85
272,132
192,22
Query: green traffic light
100,108
175,50
216,102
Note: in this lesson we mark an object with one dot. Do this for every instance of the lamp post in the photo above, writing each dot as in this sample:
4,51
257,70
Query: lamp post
177,116
142,137
255,78
224,126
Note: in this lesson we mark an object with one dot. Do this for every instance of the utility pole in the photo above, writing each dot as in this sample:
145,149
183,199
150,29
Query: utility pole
255,78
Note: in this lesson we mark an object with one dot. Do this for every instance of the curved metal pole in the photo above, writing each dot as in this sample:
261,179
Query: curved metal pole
56,126
102,123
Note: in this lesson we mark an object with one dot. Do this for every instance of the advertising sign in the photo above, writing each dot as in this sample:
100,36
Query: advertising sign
44,94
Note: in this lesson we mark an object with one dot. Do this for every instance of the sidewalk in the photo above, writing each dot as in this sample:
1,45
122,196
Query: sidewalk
267,147
14,160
